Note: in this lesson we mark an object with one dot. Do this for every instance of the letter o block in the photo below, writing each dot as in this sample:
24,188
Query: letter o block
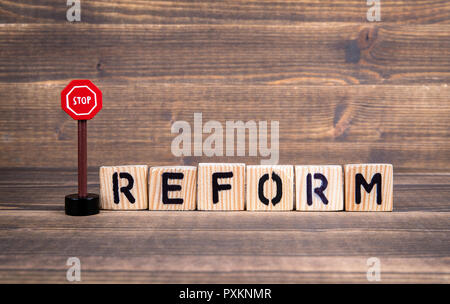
172,188
123,187
270,188
319,188
369,187
221,186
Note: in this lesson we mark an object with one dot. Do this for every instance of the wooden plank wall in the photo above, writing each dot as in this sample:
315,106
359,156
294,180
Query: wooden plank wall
345,90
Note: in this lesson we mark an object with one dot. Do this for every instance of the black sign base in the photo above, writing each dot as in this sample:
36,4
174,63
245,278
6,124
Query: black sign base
82,206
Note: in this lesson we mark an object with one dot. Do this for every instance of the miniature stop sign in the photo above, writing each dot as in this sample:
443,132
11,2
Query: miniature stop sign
81,99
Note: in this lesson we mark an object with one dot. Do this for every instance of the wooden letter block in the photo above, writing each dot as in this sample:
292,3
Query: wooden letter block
319,188
124,187
172,188
369,187
221,186
270,188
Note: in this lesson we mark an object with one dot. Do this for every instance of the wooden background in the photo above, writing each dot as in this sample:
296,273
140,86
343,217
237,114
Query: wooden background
344,90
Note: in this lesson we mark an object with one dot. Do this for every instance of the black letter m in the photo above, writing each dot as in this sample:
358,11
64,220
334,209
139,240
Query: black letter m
360,181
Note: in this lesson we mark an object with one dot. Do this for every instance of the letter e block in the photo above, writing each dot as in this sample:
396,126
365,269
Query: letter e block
172,188
270,188
123,187
319,188
221,186
369,187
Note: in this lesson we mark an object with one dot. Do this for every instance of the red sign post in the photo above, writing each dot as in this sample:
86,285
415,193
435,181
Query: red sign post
82,100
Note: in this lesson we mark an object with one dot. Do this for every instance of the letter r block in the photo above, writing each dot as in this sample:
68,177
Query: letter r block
319,188
221,186
369,187
123,187
270,188
172,188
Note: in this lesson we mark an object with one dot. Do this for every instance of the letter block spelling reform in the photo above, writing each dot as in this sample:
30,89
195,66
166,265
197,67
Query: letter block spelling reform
124,187
319,188
172,188
221,186
369,187
270,188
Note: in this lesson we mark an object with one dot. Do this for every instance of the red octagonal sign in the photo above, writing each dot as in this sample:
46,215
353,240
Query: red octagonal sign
81,99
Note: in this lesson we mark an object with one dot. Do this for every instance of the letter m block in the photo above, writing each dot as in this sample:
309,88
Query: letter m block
369,187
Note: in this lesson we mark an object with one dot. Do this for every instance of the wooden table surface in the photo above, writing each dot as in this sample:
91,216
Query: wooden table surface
36,239
344,90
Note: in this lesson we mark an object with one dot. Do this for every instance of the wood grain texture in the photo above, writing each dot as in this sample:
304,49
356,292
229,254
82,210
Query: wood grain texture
137,187
286,175
45,188
407,126
334,191
310,53
188,190
206,269
232,199
36,238
369,200
229,11
344,90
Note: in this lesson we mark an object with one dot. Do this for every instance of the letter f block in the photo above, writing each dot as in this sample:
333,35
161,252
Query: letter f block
369,187
172,188
123,187
221,186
